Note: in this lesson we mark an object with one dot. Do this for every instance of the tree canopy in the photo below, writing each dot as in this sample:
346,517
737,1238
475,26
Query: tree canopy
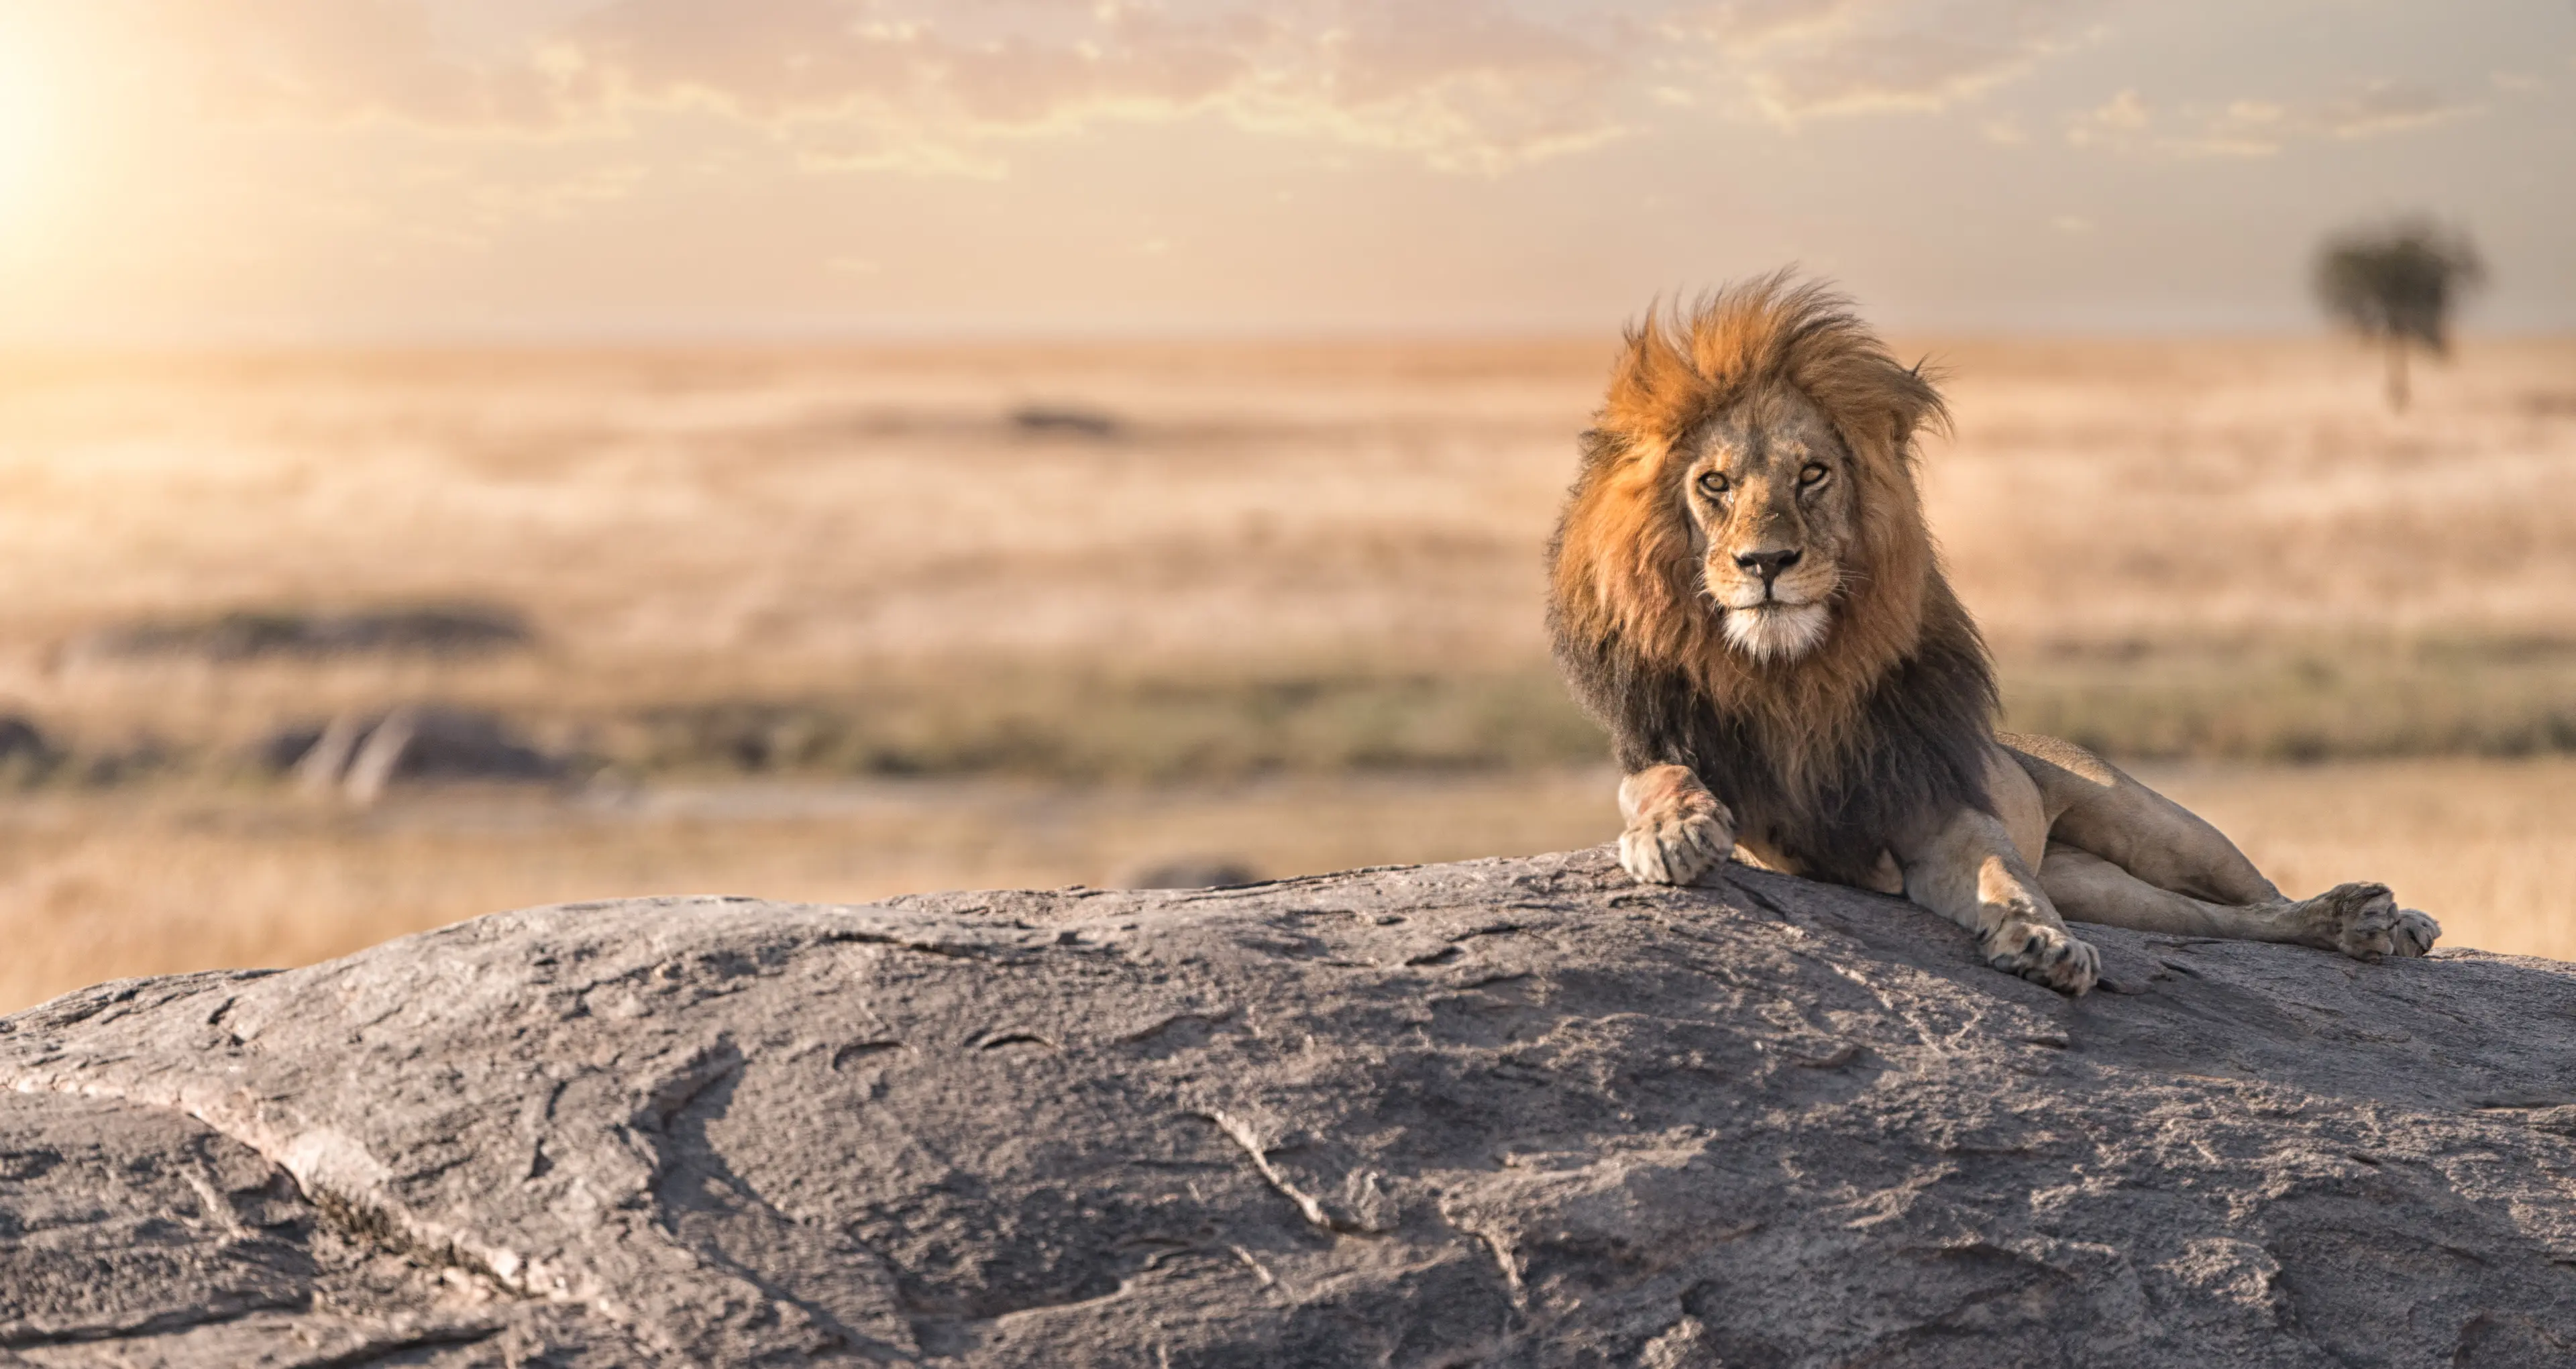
2398,283
2399,280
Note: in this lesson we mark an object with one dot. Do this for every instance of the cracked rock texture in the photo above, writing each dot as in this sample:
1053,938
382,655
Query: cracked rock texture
1512,1112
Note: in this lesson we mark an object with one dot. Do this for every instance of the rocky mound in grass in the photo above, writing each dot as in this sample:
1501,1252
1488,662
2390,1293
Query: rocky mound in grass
1513,1112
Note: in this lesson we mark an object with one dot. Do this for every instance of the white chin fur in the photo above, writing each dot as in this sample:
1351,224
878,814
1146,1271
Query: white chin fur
1776,632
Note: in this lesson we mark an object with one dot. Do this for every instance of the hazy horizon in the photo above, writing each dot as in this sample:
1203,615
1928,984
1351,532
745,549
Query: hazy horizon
716,339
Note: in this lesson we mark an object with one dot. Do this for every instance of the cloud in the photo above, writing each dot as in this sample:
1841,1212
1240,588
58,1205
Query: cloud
2259,128
2120,120
1799,59
941,85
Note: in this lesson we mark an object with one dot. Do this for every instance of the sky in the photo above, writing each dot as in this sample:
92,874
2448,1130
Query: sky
323,171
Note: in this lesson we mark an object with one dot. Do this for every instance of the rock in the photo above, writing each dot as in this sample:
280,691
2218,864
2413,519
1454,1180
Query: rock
25,751
19,737
1508,1113
1064,420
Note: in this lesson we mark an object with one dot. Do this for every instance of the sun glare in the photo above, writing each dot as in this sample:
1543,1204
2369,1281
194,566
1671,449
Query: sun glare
30,128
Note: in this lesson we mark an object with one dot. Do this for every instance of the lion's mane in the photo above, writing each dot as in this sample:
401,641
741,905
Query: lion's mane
1892,716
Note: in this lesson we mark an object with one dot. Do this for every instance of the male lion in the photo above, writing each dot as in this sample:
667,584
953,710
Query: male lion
1744,592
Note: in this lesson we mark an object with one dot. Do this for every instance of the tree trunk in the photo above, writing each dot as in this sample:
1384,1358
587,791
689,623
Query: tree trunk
2397,374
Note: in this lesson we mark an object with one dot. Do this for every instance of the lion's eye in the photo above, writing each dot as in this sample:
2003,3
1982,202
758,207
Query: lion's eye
1712,484
1814,474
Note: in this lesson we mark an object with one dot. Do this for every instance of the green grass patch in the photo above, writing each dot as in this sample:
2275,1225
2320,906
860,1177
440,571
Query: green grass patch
2260,701
2301,702
1140,729
2200,700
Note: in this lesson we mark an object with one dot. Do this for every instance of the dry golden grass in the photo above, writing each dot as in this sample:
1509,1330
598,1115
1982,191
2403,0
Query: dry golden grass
100,885
805,525
1292,560
2222,490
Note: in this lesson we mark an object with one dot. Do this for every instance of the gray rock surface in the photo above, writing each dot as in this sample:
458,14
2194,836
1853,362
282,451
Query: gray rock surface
1512,1112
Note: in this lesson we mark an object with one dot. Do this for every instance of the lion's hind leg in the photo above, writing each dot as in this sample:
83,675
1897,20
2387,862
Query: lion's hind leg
2123,855
2358,920
2094,806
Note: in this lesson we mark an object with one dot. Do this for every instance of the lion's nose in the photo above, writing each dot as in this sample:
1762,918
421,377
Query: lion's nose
1767,564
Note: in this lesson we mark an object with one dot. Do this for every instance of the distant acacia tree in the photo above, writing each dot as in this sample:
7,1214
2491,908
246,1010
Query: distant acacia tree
2397,283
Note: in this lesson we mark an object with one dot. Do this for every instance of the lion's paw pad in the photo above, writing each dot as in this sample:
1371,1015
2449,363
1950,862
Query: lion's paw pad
1676,850
2046,955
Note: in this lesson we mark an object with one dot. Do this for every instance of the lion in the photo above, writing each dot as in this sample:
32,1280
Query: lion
1744,592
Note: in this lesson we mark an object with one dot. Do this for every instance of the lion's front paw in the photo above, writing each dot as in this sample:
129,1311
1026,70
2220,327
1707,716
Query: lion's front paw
1677,830
2363,921
2045,955
1677,849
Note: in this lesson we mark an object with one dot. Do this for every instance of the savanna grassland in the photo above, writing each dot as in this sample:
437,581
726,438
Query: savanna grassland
832,624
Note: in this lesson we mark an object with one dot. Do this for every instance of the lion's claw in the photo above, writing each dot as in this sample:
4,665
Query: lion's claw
2045,955
1677,850
2363,921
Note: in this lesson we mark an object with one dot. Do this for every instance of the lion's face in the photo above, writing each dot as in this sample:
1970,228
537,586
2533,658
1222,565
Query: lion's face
1769,490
